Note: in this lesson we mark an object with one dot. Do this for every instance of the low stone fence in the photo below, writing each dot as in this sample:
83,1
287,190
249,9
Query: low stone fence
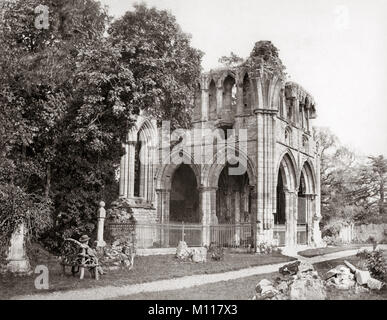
363,233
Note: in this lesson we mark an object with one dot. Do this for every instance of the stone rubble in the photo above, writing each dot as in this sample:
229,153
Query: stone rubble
300,281
296,281
184,253
119,255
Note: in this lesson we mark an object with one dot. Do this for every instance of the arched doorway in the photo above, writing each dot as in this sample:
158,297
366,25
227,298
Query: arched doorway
233,203
233,198
184,198
284,219
280,215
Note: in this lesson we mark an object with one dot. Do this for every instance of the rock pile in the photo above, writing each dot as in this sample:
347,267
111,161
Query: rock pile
348,276
296,281
184,253
119,255
340,277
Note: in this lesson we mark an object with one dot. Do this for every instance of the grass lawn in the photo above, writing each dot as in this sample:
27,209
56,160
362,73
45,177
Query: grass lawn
242,289
309,253
149,268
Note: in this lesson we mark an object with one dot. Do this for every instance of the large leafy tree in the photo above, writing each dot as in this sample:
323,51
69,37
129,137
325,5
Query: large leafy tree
165,67
352,188
68,96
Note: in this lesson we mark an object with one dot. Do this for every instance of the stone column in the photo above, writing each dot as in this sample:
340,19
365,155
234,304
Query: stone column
123,173
219,101
17,258
207,197
131,153
101,221
237,218
288,214
163,200
239,96
205,105
265,176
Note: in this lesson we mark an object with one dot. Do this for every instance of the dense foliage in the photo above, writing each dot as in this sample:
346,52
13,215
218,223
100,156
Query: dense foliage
69,95
375,262
352,187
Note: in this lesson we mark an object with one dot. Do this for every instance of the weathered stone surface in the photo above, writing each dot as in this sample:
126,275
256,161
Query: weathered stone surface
305,267
182,251
362,277
307,289
290,268
262,284
374,284
350,266
340,277
283,287
17,257
199,255
285,136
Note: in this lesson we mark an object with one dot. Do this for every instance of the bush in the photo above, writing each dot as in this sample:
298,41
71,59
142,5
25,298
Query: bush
216,252
376,263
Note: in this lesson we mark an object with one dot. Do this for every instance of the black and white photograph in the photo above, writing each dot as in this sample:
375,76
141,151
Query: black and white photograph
200,151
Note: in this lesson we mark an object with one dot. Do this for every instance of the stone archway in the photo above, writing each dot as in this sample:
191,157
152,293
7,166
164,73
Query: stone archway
184,197
285,216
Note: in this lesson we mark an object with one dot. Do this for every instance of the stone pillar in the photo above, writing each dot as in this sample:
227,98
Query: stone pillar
131,153
101,221
123,174
295,216
309,204
163,200
288,223
205,105
237,218
239,95
17,258
207,199
265,175
219,101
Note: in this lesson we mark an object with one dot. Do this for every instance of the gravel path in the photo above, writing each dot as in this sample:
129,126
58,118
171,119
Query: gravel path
110,292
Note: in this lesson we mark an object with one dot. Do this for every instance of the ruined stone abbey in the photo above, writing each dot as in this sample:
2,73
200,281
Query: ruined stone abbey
278,191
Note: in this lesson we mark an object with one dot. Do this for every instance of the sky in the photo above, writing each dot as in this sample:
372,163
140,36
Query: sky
336,50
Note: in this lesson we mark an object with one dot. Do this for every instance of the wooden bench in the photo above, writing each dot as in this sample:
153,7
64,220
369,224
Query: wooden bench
77,256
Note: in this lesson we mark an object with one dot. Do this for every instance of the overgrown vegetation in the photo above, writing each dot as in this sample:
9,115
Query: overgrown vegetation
352,186
376,263
68,95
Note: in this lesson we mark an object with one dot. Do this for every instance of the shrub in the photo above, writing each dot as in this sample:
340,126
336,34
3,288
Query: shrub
376,263
217,252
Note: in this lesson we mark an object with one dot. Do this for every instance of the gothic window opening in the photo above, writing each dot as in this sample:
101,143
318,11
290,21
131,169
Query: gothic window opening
280,215
229,93
246,92
198,101
212,100
288,136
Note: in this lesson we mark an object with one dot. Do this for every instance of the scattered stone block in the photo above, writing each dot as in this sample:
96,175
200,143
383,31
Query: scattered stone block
350,266
307,288
182,251
262,284
199,255
290,268
374,284
362,277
